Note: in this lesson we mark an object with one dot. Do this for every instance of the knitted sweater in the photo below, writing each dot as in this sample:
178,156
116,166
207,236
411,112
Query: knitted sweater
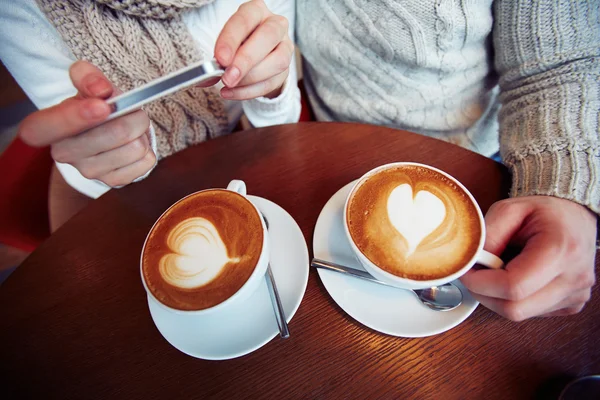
443,68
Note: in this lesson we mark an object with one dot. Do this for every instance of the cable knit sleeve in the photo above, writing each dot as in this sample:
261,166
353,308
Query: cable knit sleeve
548,58
285,108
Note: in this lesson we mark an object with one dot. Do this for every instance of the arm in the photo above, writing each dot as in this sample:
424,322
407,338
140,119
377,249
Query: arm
40,61
285,108
34,53
548,57
268,82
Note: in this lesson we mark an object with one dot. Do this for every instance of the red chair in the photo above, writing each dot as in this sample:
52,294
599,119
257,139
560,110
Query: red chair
306,113
24,180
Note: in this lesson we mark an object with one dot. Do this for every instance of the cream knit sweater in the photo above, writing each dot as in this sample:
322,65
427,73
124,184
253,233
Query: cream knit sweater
443,67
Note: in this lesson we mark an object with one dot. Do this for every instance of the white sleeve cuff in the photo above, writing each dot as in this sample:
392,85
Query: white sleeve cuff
152,138
90,187
94,188
283,109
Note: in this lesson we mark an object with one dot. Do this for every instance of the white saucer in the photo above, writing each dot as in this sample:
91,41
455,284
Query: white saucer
388,310
251,324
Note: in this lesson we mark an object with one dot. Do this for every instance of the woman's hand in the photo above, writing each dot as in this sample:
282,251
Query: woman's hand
116,152
256,48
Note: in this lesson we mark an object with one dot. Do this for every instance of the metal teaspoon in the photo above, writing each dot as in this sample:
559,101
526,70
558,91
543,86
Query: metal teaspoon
275,299
439,298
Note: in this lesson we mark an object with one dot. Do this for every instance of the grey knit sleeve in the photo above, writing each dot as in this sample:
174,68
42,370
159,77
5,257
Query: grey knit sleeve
548,56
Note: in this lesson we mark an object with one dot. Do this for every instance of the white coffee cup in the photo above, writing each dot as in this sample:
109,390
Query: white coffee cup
481,256
249,286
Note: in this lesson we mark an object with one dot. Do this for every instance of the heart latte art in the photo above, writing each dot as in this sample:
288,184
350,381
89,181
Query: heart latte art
199,254
414,217
413,222
202,250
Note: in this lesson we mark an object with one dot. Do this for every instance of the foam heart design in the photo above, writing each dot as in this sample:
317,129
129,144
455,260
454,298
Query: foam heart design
415,217
199,254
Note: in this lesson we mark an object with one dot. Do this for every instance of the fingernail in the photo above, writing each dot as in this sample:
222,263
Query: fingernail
94,110
98,86
226,93
231,76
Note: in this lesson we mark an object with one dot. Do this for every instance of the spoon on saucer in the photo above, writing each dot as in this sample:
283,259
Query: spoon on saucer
284,331
439,298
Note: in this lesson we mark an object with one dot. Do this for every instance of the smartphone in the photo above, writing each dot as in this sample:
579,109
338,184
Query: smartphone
203,74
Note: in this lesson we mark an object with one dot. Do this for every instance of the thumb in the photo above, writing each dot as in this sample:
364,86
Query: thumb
89,81
502,221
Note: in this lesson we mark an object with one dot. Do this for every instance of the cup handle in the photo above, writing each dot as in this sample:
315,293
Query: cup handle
237,186
489,260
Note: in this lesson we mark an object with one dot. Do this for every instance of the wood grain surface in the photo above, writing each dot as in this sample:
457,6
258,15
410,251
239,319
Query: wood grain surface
74,322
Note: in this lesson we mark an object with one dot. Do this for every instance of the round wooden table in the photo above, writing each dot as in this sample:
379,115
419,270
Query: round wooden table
74,321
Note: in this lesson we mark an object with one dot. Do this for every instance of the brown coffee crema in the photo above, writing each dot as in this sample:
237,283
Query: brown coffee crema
211,225
447,249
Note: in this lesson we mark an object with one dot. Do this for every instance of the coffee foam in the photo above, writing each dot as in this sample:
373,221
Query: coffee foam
414,217
202,250
414,222
199,254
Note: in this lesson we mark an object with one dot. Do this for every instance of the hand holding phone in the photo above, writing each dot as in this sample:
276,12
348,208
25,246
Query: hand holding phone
203,74
79,132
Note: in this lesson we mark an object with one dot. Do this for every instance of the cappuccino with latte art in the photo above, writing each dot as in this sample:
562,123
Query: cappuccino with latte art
413,222
202,250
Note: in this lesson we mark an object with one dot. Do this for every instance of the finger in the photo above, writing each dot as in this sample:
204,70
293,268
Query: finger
573,301
253,91
258,46
66,119
277,62
237,29
536,266
126,175
565,311
503,220
537,304
105,163
108,136
90,81
488,282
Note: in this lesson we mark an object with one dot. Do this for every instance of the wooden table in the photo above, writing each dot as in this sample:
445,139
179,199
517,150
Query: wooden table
75,322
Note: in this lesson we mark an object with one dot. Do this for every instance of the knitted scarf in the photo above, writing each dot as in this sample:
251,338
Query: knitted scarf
134,42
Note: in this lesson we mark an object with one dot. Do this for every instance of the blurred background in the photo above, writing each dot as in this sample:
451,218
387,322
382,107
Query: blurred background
14,106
